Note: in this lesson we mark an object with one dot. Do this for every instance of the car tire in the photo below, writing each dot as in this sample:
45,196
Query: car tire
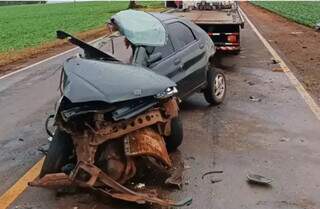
61,148
215,91
176,137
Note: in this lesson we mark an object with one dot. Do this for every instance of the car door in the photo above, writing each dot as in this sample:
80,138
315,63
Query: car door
190,57
169,65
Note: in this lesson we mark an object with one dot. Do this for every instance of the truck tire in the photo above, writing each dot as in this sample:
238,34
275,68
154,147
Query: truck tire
60,150
215,91
175,139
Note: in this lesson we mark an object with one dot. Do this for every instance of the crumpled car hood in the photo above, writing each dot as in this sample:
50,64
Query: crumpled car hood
90,80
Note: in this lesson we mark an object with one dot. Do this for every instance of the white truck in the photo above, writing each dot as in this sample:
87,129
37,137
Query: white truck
222,20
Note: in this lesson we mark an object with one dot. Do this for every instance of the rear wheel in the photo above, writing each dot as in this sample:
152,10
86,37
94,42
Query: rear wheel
215,91
175,139
60,150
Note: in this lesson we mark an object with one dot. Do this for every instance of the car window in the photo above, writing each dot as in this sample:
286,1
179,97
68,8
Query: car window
180,34
165,50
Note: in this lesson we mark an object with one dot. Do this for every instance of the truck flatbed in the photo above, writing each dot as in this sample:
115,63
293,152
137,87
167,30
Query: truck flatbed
222,25
212,16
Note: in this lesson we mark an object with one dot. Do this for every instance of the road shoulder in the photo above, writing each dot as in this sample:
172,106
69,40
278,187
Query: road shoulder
298,45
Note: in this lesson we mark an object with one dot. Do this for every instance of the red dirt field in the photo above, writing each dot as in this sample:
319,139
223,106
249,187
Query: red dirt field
14,60
297,44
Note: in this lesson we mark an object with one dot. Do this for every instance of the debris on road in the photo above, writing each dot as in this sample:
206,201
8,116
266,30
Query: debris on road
140,186
251,83
274,61
296,33
210,172
213,181
277,69
254,99
176,177
190,158
258,179
21,139
284,139
44,149
187,166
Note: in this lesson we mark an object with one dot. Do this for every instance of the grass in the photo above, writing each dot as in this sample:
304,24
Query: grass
25,26
303,12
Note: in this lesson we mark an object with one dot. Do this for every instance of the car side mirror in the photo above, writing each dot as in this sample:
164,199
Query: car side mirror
154,57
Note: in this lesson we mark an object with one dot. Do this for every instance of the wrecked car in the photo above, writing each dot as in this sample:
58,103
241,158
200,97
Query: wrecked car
186,57
115,111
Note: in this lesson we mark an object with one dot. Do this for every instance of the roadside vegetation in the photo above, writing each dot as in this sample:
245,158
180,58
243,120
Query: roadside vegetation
24,26
303,12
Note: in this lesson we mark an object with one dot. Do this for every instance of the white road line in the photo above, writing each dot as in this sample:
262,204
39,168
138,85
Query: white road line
295,82
45,60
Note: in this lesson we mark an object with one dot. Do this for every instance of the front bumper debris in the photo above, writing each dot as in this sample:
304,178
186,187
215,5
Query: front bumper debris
139,139
90,176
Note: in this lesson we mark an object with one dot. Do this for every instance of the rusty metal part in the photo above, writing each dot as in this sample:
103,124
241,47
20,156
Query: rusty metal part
52,181
176,177
130,171
96,177
148,198
171,108
111,159
119,191
147,142
142,136
119,129
85,151
105,130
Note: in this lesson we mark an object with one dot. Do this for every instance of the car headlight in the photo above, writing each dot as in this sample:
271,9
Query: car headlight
167,93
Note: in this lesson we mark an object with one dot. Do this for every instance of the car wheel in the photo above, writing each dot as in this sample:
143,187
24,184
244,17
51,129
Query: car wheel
215,91
60,150
175,139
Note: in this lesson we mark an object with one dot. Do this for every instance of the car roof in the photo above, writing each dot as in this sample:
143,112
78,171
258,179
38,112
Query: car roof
163,17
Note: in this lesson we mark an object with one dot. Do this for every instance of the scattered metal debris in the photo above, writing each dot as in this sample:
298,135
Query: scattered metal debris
277,69
254,99
190,158
176,178
186,166
213,181
251,83
258,179
210,172
274,61
284,139
44,149
140,186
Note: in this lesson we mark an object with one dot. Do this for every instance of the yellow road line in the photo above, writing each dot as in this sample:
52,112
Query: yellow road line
295,82
11,195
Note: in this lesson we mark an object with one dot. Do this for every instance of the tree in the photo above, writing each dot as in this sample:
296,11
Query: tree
132,4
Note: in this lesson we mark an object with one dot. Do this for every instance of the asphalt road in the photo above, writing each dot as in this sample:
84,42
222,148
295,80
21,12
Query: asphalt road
274,134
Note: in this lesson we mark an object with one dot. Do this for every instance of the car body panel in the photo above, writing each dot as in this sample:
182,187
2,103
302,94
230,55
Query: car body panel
90,80
186,66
